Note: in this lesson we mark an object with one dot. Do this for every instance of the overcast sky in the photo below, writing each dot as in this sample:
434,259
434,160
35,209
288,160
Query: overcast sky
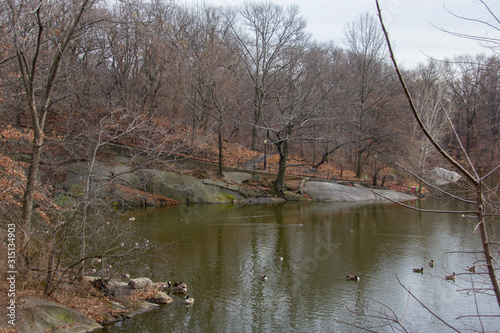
410,23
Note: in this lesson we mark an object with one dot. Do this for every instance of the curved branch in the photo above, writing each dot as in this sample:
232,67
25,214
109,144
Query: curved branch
450,159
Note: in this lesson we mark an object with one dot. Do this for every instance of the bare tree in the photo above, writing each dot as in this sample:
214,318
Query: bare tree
268,30
211,67
367,55
465,82
430,95
40,47
301,95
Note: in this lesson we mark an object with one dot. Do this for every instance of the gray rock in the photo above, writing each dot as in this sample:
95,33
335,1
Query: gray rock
237,177
40,315
162,298
290,196
439,176
140,283
185,189
119,289
325,191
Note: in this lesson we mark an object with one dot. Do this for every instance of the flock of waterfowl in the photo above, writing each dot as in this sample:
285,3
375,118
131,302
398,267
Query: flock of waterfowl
179,288
452,276
421,270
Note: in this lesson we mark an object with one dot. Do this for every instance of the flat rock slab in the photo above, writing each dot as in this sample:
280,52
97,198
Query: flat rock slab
237,177
325,191
40,315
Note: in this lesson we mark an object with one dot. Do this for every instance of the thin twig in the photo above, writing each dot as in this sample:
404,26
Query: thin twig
424,210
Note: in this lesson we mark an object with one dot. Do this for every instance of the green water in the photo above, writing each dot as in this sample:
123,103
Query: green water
221,251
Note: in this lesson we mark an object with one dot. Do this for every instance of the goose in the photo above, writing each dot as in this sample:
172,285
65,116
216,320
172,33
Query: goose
471,269
189,300
451,277
180,288
352,277
419,270
280,258
263,278
431,263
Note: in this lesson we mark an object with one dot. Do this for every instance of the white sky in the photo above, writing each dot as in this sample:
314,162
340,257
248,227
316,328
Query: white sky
409,23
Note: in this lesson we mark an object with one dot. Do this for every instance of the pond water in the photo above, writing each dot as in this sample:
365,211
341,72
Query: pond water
221,251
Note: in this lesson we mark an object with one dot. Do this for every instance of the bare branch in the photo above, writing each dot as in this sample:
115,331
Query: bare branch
425,307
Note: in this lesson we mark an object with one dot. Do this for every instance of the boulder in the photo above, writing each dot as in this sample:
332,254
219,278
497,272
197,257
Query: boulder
440,176
162,298
290,196
237,177
187,189
183,188
325,191
140,283
40,315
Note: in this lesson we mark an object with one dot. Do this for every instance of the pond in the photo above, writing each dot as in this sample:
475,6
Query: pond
306,251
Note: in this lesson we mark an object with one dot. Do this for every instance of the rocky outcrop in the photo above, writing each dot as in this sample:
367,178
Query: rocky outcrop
326,191
164,184
188,189
40,315
140,283
439,176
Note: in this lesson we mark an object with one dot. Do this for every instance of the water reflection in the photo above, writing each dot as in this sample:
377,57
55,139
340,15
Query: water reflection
221,251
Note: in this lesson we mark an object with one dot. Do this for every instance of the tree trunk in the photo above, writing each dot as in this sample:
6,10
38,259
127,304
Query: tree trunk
221,146
484,239
359,164
257,113
279,183
28,198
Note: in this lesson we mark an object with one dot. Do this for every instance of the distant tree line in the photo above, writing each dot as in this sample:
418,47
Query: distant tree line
246,74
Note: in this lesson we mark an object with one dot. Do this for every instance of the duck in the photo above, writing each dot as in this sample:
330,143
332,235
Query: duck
352,277
431,263
263,278
419,270
471,269
451,277
349,231
280,258
131,219
180,288
189,300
